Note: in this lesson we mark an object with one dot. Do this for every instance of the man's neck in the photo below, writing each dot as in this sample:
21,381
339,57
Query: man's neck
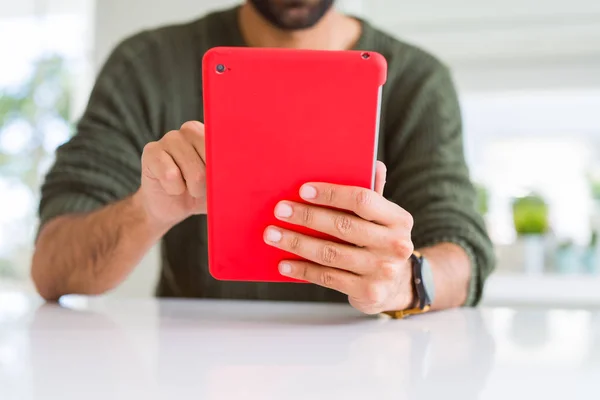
334,31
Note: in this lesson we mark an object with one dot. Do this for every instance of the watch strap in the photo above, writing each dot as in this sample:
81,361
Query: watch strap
422,302
421,297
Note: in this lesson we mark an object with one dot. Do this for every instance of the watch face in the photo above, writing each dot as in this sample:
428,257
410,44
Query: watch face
427,276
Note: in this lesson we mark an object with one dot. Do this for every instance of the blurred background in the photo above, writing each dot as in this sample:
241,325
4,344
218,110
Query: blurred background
528,74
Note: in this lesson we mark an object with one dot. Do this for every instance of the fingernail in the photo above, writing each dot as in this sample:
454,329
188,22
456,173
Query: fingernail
308,192
285,268
283,210
273,235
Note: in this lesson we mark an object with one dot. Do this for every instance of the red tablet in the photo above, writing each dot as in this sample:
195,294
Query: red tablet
275,119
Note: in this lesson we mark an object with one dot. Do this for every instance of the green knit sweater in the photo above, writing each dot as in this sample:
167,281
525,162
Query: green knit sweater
152,83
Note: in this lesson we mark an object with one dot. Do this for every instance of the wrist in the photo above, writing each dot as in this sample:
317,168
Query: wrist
451,268
420,296
406,298
153,223
418,290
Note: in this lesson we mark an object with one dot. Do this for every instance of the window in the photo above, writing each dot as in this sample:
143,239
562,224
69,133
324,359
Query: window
47,44
542,142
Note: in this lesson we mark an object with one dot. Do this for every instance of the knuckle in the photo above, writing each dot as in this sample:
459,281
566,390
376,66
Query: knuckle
151,154
171,136
373,295
343,224
303,272
402,247
388,270
202,176
329,194
362,198
197,176
294,243
194,126
170,173
329,254
188,125
408,219
307,215
150,148
326,279
410,248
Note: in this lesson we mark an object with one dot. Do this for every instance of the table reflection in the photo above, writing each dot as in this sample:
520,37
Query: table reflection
592,359
530,329
310,353
83,354
222,350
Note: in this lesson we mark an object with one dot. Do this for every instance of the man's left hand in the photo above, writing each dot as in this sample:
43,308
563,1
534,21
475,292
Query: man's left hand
373,268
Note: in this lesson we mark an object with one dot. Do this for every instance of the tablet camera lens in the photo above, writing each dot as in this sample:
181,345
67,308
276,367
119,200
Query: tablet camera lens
220,68
365,56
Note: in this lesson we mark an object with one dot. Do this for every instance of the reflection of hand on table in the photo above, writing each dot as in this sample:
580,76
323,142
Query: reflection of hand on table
321,350
460,356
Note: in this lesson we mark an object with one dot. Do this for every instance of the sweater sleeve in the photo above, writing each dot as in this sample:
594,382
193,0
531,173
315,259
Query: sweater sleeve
101,164
428,175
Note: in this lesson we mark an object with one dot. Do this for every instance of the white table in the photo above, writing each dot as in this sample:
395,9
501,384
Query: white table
184,349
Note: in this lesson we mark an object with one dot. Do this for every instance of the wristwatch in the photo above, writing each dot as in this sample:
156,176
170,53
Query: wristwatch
422,285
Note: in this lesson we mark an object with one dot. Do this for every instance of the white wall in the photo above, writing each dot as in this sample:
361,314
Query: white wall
491,45
502,44
22,8
116,19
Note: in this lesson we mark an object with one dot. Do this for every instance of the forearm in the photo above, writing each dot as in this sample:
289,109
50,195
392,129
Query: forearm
92,253
451,273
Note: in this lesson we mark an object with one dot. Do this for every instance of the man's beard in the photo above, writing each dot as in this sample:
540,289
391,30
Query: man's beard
292,15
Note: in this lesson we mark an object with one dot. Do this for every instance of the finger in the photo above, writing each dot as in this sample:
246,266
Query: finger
332,278
160,166
339,224
380,175
324,252
365,203
188,160
194,132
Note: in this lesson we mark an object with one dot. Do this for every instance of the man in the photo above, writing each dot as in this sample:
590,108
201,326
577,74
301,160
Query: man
102,209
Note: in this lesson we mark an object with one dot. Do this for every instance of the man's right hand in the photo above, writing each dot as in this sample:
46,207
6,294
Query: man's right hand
91,253
174,175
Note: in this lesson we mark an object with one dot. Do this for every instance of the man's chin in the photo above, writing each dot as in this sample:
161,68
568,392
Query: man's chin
297,14
295,24
296,17
297,20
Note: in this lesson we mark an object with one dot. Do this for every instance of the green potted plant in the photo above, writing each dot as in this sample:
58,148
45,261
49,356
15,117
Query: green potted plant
592,253
530,215
483,199
531,223
594,181
595,186
565,257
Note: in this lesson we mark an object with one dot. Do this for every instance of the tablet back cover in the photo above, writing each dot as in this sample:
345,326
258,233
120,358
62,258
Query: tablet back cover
275,119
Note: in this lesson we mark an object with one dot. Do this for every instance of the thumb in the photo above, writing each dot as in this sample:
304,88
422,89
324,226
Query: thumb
380,174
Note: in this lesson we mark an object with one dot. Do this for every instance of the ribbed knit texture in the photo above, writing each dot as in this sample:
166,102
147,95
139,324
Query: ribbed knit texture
152,83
